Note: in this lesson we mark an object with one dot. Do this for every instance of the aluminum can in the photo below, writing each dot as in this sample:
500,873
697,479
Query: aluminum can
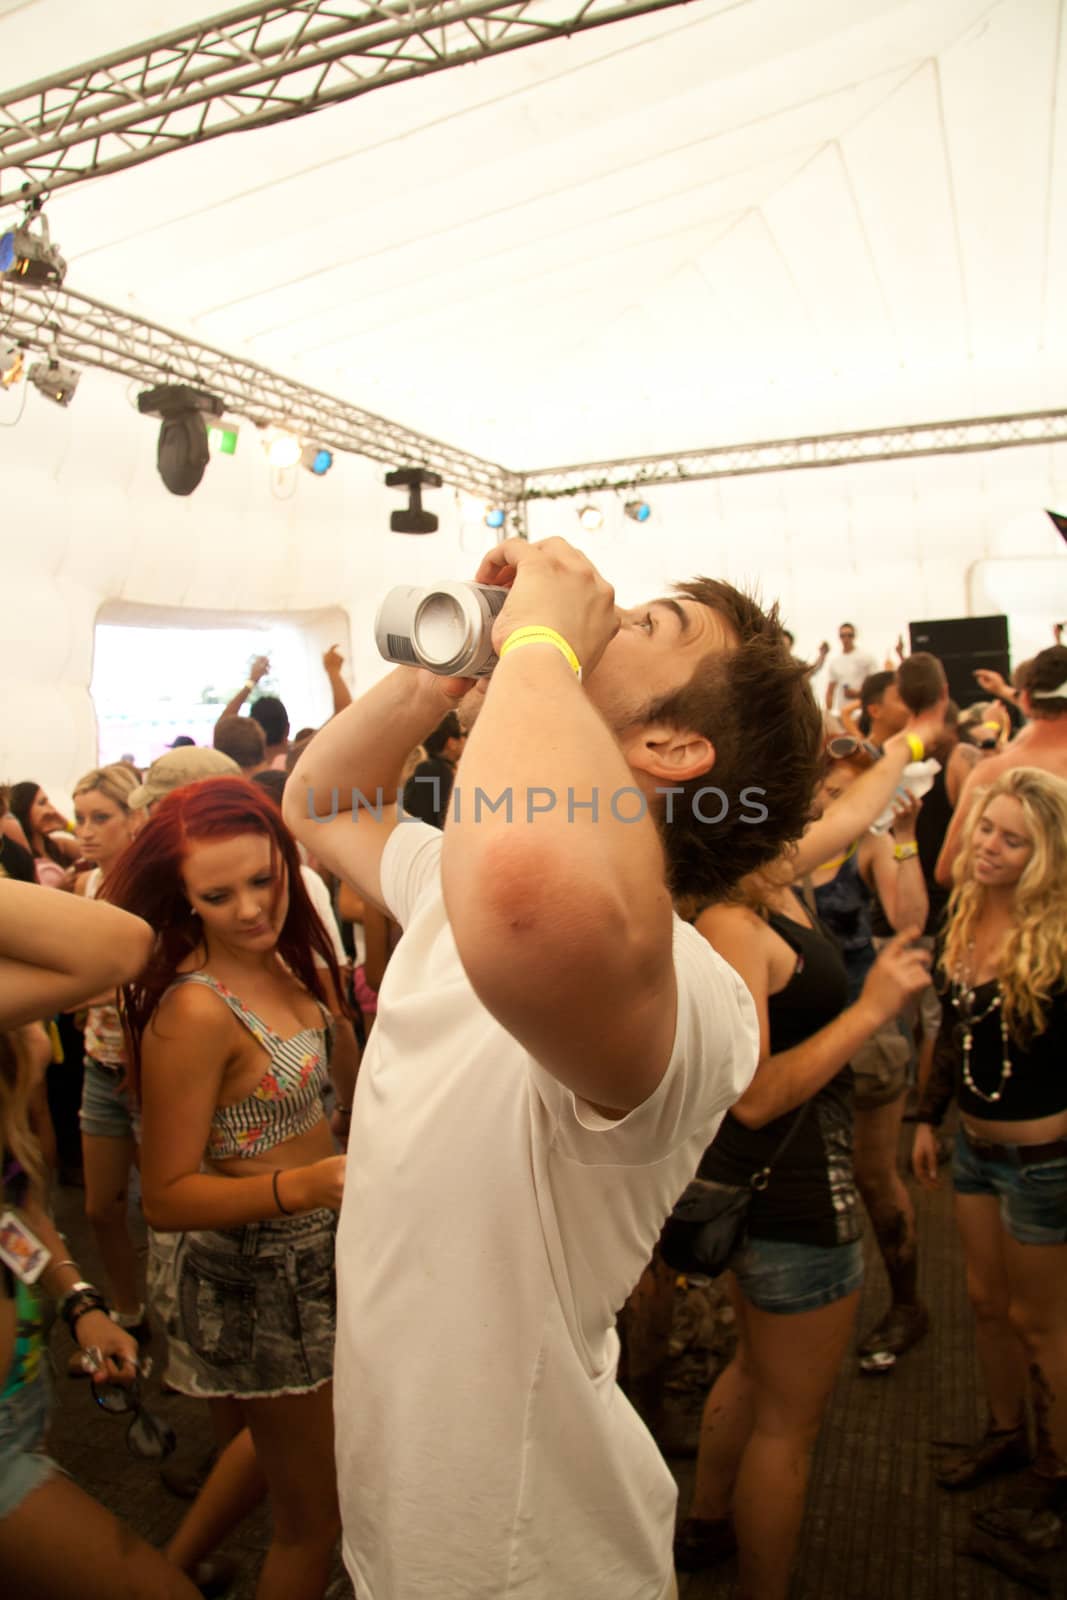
445,627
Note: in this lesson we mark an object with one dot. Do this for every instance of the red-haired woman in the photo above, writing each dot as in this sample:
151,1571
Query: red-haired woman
228,1045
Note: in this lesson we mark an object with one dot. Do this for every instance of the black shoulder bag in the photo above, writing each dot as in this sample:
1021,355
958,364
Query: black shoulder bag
708,1221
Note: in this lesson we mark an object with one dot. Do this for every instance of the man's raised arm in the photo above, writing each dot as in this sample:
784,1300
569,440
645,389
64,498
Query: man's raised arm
340,799
560,912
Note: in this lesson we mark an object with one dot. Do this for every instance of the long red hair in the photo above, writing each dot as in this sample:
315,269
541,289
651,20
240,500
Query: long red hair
147,880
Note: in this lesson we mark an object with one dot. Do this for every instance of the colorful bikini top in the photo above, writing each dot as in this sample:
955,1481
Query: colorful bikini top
286,1101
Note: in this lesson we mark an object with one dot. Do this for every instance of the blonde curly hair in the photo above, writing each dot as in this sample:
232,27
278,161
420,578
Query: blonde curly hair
1033,960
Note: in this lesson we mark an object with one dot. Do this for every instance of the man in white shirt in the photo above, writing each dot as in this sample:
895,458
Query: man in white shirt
554,1050
846,672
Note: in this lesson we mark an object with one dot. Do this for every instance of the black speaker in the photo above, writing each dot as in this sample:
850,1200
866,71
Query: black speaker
961,644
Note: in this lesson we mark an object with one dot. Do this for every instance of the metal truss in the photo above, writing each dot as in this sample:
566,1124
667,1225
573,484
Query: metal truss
253,67
793,455
92,334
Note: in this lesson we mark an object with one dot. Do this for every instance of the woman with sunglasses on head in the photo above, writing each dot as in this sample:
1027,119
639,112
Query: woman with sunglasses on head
227,1026
795,1276
55,1542
1000,1053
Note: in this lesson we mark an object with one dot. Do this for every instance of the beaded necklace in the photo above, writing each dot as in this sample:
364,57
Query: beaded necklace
963,997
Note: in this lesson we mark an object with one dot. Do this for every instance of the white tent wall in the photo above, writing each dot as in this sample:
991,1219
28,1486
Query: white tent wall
89,522
879,545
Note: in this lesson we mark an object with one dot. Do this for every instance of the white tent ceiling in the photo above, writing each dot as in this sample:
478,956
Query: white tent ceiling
737,219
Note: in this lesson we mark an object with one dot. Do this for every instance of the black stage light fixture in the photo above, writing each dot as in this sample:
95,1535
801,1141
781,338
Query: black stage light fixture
1059,523
183,451
414,519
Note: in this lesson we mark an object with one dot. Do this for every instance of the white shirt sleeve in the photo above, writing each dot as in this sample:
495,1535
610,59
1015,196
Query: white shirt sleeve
319,896
410,864
714,1057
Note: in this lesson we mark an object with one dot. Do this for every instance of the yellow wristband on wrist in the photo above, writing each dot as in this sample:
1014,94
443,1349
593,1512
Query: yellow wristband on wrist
905,852
539,635
916,746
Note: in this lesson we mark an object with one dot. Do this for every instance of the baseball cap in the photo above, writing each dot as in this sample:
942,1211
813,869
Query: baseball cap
184,765
180,742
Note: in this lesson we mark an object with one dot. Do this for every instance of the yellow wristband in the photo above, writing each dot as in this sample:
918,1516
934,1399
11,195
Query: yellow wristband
916,746
539,635
904,852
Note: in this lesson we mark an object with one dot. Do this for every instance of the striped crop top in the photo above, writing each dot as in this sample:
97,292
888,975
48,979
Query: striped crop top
286,1101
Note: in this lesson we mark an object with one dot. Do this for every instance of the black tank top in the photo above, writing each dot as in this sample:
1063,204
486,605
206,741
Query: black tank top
811,1197
1036,1086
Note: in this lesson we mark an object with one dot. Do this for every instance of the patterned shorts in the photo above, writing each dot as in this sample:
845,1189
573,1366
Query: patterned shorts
257,1307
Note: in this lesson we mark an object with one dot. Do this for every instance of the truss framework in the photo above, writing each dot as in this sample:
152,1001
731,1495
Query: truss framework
791,455
253,67
90,333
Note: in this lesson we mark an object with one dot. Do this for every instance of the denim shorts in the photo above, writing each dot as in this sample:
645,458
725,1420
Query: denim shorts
257,1307
1032,1195
785,1277
23,1464
108,1110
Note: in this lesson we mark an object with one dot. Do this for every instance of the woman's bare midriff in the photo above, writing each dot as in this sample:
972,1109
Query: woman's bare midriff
1038,1130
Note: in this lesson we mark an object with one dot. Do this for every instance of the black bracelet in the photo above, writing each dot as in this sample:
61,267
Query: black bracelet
277,1197
82,1298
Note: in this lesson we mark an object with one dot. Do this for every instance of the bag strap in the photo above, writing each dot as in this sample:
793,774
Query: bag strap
759,1180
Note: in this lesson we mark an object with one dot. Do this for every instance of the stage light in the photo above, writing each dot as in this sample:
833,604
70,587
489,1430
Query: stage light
222,441
11,364
282,447
317,459
495,518
591,518
55,380
637,510
183,452
31,258
414,519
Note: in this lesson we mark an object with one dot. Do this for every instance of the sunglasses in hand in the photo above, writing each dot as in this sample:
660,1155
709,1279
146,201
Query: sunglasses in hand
147,1437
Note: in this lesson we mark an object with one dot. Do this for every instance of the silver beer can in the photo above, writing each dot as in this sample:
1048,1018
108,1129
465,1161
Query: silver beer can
444,627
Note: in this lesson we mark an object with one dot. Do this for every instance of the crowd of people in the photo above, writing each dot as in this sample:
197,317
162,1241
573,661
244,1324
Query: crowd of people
411,1030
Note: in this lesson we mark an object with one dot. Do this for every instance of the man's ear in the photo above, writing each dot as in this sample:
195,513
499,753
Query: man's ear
670,755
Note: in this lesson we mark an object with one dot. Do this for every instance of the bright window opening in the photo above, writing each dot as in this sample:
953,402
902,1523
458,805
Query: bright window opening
159,672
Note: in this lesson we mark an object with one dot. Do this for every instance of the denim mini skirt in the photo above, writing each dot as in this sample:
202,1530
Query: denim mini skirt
256,1307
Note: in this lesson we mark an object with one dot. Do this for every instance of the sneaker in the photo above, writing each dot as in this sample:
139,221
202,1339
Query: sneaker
999,1450
899,1329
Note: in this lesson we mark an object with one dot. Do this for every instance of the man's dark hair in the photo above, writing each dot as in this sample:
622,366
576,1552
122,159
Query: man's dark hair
274,783
872,693
242,739
753,701
272,718
1047,671
841,625
448,728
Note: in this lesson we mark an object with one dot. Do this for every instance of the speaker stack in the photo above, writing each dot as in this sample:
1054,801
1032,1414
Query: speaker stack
961,644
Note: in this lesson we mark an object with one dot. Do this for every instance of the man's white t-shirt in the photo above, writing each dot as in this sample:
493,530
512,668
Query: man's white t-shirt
492,1227
319,896
848,672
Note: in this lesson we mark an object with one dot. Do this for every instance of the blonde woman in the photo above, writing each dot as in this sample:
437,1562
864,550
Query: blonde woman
104,824
1001,1054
